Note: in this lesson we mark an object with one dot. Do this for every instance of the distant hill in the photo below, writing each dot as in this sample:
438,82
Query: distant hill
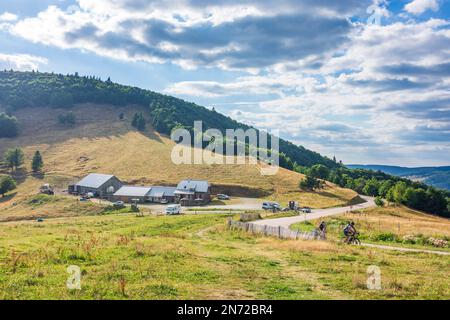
438,177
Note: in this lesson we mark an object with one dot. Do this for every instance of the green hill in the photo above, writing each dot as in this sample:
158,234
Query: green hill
55,90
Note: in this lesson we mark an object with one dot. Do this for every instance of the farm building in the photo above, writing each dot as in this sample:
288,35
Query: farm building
193,192
144,194
132,194
100,185
162,193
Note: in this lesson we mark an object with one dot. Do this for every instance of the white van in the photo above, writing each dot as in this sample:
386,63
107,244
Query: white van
173,209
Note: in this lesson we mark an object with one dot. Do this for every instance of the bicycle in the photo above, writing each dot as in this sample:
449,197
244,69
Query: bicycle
354,239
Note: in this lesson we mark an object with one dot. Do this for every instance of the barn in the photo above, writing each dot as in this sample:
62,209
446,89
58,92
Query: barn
100,185
130,194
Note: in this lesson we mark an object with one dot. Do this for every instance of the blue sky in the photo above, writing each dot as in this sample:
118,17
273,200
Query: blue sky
322,72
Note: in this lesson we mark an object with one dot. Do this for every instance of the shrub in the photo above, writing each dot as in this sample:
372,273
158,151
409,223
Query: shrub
409,239
139,121
385,237
7,184
309,183
67,119
8,126
438,243
379,202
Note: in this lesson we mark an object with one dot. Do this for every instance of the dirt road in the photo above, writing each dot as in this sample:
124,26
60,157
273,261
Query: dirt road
316,214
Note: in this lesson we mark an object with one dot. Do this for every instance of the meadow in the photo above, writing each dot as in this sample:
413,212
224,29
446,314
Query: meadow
196,257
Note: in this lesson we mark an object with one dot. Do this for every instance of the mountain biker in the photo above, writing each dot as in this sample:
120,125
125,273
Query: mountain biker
323,229
322,226
349,231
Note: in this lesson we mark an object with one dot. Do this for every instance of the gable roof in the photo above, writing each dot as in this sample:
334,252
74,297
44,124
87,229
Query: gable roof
162,191
193,185
132,191
94,180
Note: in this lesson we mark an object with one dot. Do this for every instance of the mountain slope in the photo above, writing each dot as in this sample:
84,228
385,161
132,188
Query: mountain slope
100,142
435,176
45,89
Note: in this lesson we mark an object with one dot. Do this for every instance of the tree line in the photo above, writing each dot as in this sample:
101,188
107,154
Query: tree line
377,184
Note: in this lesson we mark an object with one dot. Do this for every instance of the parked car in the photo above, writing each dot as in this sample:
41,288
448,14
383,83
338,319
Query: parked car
222,196
173,209
119,205
83,199
306,210
164,201
271,205
46,189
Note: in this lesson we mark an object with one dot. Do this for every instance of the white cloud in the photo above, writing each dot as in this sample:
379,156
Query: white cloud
231,35
420,6
8,17
21,62
377,95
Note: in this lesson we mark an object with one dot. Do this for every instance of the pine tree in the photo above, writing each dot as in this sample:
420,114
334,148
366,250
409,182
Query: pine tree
14,158
37,162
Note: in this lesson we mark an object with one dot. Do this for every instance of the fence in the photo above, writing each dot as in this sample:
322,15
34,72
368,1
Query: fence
279,232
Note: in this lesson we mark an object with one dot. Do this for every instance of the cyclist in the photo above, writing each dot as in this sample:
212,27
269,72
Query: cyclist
349,231
323,229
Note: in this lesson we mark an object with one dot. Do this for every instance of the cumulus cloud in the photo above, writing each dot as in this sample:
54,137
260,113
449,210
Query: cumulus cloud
420,6
387,94
244,35
21,61
8,17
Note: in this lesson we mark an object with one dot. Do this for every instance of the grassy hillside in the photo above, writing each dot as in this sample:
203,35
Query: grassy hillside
45,89
100,142
195,257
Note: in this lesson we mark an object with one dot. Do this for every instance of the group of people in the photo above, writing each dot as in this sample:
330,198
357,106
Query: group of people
349,231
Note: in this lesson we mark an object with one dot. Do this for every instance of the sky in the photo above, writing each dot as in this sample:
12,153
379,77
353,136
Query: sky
366,81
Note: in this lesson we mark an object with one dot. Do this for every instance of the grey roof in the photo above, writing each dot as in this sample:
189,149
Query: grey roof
94,180
193,185
162,191
131,191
